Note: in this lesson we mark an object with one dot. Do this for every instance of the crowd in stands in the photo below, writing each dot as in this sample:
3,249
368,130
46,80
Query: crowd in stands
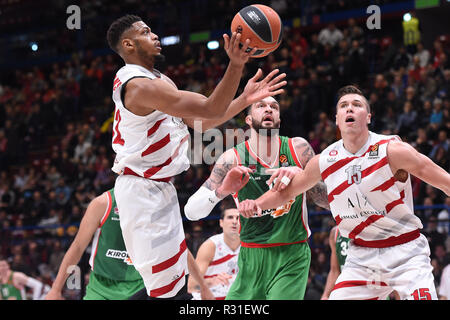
56,129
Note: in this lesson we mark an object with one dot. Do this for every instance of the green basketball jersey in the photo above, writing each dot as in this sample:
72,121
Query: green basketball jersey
109,257
341,248
9,292
279,226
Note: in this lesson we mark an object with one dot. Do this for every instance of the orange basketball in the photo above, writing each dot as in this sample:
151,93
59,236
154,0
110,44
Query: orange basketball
262,25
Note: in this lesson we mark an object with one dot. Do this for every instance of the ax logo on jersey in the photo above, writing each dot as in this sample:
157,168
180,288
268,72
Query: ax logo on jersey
121,255
361,207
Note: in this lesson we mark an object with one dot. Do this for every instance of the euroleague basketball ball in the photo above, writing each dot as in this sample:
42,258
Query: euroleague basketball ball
262,25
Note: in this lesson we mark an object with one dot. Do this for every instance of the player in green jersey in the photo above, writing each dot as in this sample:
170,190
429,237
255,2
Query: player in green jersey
338,246
113,276
275,256
12,284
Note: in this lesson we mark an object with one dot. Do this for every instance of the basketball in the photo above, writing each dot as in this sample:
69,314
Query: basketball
262,25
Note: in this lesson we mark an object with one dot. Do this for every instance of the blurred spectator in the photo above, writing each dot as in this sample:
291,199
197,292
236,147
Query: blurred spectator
330,35
434,237
407,120
423,54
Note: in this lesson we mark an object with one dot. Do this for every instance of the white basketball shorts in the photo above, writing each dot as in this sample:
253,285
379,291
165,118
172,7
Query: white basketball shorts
152,230
373,273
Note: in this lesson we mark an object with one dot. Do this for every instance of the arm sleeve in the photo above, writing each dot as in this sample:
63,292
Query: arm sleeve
36,286
200,204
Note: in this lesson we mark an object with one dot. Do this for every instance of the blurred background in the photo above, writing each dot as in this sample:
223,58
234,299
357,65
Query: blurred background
56,108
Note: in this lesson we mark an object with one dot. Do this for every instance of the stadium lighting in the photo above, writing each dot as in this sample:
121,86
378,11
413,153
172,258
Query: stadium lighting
213,45
407,17
34,46
170,40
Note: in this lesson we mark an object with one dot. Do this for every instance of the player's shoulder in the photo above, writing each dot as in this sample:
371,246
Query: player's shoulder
216,238
299,142
99,204
207,248
228,157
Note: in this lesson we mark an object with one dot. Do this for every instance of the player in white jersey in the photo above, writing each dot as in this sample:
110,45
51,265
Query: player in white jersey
369,189
150,138
217,257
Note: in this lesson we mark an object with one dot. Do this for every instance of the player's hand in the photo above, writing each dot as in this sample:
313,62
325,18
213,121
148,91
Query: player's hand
255,90
234,181
54,295
283,177
222,278
248,208
238,56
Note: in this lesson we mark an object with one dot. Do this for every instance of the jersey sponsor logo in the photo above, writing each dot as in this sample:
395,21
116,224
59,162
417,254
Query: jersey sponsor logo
332,156
373,151
120,255
284,161
115,216
280,211
362,205
333,153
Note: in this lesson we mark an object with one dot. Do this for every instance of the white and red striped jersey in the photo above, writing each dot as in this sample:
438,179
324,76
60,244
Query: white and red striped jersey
153,146
224,261
369,205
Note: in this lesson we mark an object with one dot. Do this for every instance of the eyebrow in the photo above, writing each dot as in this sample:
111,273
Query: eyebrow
355,100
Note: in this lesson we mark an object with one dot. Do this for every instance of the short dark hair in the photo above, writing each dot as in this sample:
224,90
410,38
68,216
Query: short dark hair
351,89
117,28
227,203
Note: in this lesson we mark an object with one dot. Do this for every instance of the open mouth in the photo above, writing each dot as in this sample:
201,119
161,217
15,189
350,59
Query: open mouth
349,119
268,118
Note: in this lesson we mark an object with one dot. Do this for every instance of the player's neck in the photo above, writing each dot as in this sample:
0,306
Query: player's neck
265,147
355,141
4,278
232,241
139,62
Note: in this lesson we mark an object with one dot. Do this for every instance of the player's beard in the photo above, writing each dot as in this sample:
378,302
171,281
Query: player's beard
147,57
268,131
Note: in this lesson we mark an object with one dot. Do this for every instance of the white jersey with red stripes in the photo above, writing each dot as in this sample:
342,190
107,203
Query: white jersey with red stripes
368,203
153,146
225,261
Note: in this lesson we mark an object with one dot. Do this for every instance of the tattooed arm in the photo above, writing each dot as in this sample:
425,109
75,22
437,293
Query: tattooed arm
318,193
223,165
203,201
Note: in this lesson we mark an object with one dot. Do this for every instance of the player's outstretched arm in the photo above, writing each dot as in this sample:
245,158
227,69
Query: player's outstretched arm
88,226
401,155
196,273
21,279
254,91
226,178
302,181
143,95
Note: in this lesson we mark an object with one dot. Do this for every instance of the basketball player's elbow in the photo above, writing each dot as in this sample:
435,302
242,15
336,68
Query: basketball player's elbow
213,111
